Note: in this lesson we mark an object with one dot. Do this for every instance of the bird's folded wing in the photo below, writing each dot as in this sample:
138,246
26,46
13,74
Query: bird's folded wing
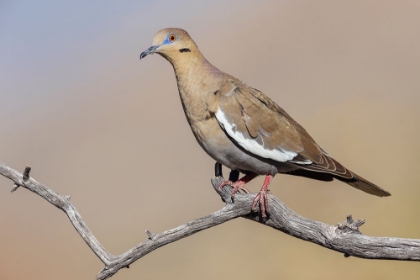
260,126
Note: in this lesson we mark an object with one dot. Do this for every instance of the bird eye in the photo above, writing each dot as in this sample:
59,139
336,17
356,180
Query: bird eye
172,38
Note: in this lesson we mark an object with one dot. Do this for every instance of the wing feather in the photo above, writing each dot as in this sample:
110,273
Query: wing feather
260,126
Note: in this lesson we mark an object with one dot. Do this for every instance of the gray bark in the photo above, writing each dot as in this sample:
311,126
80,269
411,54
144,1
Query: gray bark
344,237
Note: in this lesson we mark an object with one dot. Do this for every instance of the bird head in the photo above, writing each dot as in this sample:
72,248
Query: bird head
171,43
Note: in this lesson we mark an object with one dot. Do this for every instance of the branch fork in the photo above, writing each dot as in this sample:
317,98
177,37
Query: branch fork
344,237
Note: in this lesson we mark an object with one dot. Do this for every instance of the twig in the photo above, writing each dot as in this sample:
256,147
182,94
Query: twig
344,237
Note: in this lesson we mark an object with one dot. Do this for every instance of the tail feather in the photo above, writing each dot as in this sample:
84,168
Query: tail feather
364,185
330,168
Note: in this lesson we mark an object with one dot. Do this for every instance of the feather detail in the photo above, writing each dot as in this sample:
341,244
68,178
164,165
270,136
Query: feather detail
250,144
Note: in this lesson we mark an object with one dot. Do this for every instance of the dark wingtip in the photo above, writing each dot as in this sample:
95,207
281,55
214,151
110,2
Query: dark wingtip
362,184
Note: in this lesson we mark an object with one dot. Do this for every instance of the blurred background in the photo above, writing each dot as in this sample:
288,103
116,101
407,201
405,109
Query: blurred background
95,123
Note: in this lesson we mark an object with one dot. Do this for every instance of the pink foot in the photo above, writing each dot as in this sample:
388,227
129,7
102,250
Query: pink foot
238,185
261,199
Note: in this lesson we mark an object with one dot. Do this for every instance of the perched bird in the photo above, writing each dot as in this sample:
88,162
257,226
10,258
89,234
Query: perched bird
242,128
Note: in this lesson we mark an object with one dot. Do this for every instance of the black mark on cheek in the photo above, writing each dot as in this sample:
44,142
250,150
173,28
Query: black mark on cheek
184,50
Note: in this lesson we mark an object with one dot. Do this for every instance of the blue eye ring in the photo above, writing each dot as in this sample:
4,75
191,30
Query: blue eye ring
171,38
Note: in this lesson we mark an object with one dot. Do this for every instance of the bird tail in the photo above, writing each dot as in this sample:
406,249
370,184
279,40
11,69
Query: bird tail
362,184
328,167
331,167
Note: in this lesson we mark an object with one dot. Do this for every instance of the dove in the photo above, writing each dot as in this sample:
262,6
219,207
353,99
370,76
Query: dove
241,127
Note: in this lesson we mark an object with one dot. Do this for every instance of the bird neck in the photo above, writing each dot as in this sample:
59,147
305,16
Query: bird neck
197,81
194,73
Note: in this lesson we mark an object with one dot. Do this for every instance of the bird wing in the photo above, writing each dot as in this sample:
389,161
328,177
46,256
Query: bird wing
260,126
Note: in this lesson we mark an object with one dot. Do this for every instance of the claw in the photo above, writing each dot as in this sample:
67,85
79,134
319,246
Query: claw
238,185
262,199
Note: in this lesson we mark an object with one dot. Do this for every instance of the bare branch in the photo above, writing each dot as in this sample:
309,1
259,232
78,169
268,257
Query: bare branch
344,237
61,202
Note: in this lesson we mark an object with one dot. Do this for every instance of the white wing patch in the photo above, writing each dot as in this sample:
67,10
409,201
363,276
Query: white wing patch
251,145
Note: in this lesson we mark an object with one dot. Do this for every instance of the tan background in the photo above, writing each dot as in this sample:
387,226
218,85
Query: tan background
96,123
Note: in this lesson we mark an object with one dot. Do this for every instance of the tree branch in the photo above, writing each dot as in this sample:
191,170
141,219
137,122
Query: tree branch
344,237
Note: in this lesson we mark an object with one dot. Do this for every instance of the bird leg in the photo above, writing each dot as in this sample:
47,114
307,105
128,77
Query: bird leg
262,198
238,185
234,175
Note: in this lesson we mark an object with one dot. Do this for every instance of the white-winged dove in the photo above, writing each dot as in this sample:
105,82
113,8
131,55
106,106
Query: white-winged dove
242,128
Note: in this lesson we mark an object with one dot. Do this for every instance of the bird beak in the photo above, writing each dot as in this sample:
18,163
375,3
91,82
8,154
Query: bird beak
150,50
